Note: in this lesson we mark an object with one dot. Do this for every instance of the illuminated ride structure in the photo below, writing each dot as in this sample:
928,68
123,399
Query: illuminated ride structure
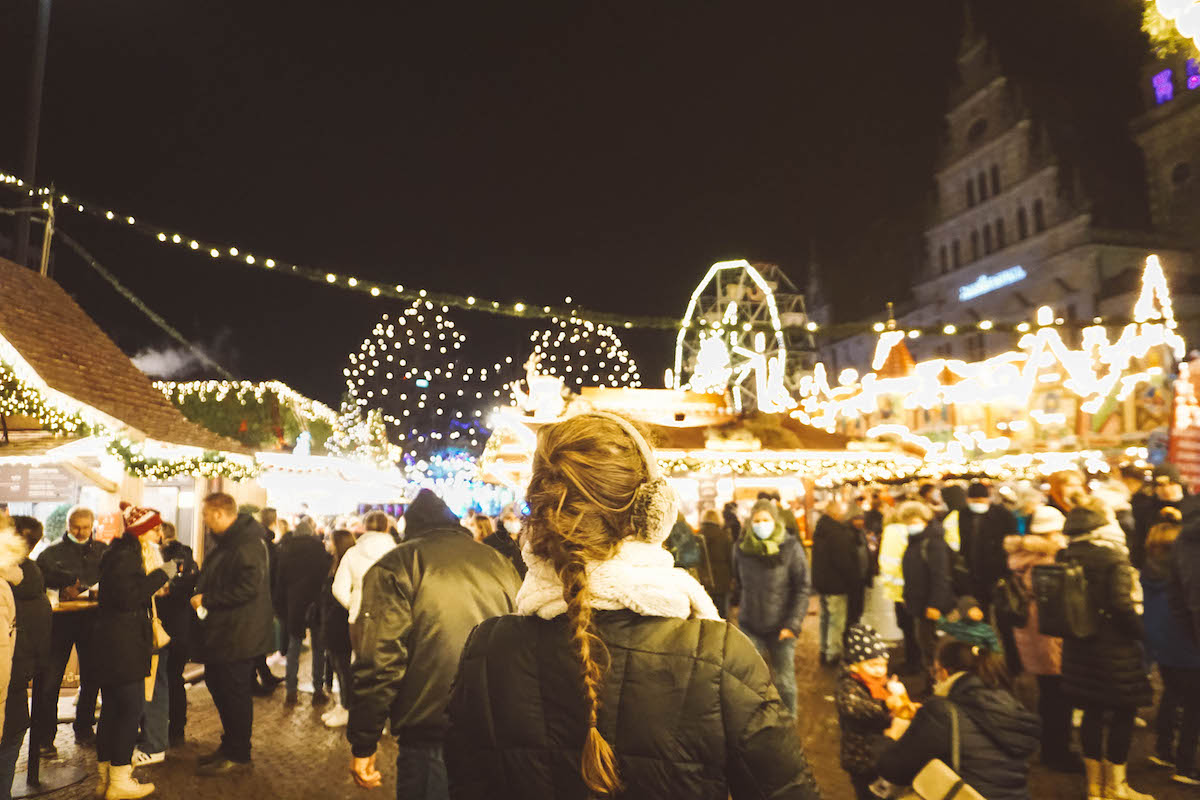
743,332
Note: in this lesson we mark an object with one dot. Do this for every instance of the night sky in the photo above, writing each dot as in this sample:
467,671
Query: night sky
526,151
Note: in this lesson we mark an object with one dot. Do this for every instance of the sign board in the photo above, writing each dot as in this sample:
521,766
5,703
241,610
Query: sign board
990,283
24,483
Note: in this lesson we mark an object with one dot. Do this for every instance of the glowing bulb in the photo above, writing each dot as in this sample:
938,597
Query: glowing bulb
877,327
1023,327
233,251
270,263
109,214
1045,316
375,291
470,301
330,278
914,333
520,307
811,326
214,252
949,329
249,259
985,325
194,244
162,237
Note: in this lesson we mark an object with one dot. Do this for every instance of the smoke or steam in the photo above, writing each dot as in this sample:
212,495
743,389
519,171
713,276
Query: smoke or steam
167,362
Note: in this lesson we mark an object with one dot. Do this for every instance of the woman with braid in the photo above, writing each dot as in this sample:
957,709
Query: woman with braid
616,677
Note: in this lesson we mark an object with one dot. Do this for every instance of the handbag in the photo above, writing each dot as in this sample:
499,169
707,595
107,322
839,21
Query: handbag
159,638
936,781
1011,601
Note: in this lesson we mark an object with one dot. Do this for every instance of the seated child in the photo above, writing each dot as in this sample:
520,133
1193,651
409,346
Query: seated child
867,702
966,624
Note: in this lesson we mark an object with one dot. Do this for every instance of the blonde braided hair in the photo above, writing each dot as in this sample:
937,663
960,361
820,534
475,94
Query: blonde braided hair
586,471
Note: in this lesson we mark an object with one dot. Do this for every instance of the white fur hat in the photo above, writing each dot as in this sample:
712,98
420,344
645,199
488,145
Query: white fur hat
1047,519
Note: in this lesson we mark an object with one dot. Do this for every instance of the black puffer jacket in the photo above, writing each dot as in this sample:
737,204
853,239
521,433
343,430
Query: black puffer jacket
123,621
835,565
419,603
771,592
1109,669
502,542
926,567
301,573
240,622
863,719
687,705
997,736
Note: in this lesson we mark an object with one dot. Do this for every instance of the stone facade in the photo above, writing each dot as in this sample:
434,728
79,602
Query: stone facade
1013,228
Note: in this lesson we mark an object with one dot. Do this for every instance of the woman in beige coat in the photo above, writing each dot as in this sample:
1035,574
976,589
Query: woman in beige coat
1042,655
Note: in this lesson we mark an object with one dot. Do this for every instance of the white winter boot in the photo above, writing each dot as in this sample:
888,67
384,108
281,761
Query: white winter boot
1116,787
1095,779
102,782
123,786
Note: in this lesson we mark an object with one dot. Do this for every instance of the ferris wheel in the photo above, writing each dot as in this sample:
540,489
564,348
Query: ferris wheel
743,332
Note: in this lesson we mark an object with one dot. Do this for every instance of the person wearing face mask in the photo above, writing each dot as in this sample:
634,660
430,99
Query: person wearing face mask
770,577
368,548
71,566
997,735
504,540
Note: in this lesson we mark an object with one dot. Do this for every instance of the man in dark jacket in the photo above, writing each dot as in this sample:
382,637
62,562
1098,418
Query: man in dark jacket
1185,578
835,575
268,681
234,606
928,593
303,568
177,615
72,566
420,601
982,527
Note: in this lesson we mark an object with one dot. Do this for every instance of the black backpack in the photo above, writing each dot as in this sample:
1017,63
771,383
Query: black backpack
1065,608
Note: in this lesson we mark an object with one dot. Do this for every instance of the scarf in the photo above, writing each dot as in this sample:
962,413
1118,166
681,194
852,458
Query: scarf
751,545
878,687
640,577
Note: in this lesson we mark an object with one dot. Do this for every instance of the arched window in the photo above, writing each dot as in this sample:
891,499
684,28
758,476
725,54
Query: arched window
983,192
1000,233
995,180
956,254
974,245
1022,223
970,193
1039,216
942,258
987,238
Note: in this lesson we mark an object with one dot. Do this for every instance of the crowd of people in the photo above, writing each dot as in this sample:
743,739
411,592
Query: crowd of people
594,643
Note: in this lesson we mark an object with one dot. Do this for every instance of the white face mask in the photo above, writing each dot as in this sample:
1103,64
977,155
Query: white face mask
763,530
513,526
915,527
979,507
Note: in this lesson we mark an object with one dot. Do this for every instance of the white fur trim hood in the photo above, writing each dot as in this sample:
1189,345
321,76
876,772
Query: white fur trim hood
641,577
13,551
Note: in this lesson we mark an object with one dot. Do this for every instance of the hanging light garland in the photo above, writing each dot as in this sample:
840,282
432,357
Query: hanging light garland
210,464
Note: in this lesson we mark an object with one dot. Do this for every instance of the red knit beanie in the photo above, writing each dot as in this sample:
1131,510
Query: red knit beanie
139,520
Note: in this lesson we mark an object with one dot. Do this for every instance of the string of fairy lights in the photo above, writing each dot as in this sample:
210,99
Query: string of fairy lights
343,279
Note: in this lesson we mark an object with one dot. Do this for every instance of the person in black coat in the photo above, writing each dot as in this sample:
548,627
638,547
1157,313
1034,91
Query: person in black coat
771,589
236,625
123,664
303,569
31,651
719,546
685,708
419,603
335,633
928,590
997,735
835,576
504,540
1105,674
178,618
267,682
71,566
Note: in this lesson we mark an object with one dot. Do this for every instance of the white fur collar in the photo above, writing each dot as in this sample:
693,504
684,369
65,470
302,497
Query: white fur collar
641,577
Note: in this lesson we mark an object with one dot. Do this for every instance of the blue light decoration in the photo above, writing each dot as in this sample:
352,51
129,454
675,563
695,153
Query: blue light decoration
1164,87
453,475
990,283
422,383
1192,70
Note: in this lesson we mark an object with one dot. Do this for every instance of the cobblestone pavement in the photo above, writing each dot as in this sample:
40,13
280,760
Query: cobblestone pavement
298,758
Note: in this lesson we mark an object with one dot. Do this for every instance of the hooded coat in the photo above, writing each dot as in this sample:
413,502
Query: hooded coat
835,563
997,737
303,567
1040,654
12,552
1108,669
863,719
419,603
